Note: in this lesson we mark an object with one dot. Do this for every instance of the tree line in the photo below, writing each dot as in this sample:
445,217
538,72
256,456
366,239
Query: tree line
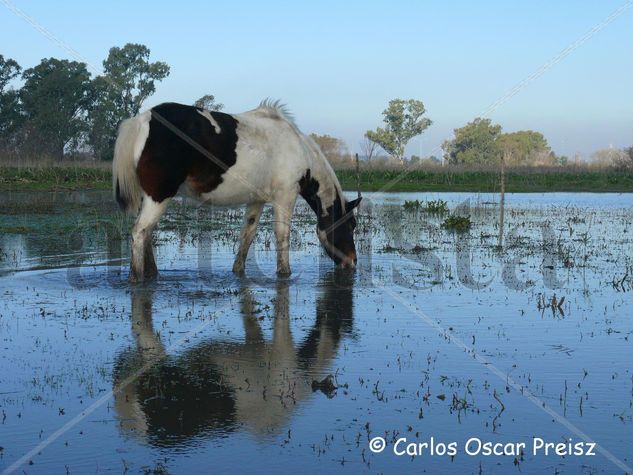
479,142
60,109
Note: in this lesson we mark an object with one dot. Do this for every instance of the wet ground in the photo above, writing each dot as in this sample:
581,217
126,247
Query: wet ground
437,338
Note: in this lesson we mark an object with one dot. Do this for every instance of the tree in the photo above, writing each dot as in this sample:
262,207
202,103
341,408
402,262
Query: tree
476,142
403,121
10,108
9,70
55,98
610,156
526,147
331,147
368,147
624,160
129,78
560,160
209,103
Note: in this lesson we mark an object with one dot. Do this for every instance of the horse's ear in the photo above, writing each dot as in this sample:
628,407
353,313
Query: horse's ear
353,204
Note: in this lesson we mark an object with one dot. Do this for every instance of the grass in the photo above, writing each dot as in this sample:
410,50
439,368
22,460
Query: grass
486,179
87,174
47,175
437,207
459,224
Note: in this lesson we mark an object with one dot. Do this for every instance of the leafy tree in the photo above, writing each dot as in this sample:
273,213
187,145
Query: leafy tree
10,109
526,147
610,156
403,121
9,70
129,78
55,98
209,103
331,147
476,142
560,160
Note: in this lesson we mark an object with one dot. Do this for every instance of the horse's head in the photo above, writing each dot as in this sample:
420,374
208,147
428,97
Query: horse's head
336,232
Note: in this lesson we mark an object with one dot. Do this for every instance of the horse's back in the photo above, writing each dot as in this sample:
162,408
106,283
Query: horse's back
222,158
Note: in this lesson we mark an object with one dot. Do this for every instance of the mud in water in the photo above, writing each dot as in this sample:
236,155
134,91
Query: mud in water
438,337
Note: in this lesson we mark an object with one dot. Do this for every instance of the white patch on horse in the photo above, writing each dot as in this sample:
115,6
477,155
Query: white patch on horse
141,138
207,115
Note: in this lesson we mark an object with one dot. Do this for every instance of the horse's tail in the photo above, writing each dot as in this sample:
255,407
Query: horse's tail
129,145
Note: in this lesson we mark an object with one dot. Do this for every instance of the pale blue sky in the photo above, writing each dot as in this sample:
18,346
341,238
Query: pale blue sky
337,64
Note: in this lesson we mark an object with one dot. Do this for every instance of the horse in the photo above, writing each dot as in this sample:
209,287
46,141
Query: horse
252,158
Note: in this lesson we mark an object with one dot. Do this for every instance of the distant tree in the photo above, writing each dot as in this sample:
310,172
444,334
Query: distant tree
560,160
10,108
403,121
476,142
128,79
629,156
55,97
331,147
368,147
209,103
610,157
525,147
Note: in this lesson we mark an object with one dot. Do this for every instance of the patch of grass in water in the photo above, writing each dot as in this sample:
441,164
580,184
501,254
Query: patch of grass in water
458,224
412,205
437,207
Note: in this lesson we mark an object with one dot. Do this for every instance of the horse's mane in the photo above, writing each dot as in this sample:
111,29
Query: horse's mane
276,109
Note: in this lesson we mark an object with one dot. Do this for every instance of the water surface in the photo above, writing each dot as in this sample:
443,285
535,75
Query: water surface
437,335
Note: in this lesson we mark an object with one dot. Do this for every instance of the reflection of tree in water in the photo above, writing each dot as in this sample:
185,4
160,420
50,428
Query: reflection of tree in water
218,386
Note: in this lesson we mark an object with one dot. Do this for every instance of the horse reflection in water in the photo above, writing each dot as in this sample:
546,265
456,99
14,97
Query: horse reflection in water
217,387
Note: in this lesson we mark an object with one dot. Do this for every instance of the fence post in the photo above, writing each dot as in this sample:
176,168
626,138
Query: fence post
357,174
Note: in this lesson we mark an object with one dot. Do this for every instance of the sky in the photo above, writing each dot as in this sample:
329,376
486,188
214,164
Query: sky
337,64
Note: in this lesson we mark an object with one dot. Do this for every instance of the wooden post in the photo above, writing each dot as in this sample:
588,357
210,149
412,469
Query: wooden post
357,175
502,201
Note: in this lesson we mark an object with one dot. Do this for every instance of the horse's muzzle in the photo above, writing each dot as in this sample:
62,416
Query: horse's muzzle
349,261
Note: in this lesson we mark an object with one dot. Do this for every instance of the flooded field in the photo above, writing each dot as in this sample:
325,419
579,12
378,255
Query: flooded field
439,342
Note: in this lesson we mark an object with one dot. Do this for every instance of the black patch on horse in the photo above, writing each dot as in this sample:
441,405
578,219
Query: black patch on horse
183,145
308,189
339,224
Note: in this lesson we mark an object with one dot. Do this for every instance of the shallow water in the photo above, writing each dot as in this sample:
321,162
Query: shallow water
436,335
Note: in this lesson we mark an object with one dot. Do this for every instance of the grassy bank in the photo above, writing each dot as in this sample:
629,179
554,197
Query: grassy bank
97,175
488,180
55,176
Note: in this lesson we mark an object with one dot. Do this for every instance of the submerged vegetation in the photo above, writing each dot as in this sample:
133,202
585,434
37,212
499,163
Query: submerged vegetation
437,207
459,224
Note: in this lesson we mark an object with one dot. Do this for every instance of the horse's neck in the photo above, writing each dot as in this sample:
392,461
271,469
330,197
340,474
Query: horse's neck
329,188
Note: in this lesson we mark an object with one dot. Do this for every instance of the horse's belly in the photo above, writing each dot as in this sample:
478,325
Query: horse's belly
234,192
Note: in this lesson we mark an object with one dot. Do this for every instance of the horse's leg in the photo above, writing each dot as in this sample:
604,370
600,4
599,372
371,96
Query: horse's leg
283,207
149,215
251,219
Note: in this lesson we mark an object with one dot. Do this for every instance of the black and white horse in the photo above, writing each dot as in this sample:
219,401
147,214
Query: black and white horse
252,158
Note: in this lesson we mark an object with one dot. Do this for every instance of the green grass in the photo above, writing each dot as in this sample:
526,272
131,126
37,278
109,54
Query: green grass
459,224
57,177
517,180
97,175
